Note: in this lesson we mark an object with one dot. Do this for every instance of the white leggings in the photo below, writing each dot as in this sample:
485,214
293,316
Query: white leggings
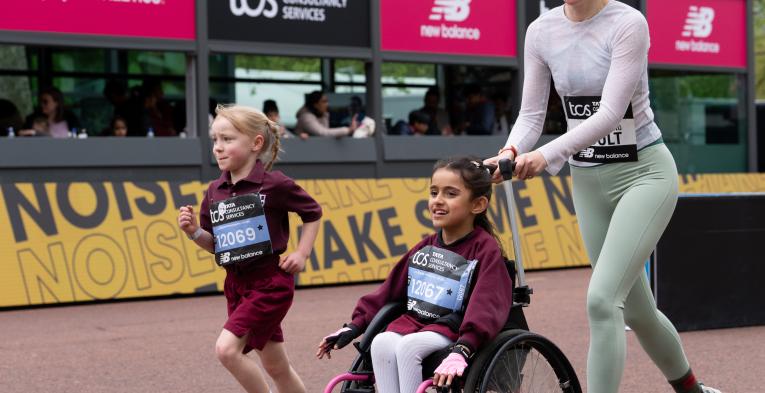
397,359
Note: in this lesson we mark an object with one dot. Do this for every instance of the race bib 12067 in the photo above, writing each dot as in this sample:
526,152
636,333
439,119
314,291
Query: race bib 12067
438,283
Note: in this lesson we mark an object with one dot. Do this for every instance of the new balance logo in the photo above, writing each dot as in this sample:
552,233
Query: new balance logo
225,257
587,153
450,10
242,7
410,304
698,24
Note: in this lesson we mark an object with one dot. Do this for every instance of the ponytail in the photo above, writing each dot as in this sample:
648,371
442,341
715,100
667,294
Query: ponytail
273,131
482,220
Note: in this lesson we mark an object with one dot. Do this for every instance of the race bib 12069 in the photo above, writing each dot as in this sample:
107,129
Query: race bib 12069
240,230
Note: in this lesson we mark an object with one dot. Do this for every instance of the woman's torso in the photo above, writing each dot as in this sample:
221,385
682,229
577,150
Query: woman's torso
579,55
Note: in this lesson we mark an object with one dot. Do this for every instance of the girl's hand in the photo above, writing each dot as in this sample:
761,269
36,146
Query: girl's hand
293,263
529,165
496,177
187,220
453,366
337,340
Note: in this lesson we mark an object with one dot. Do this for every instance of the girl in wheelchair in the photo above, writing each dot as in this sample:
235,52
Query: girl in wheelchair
454,283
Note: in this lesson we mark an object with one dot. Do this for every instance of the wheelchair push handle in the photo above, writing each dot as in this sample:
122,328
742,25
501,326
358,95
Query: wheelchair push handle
506,168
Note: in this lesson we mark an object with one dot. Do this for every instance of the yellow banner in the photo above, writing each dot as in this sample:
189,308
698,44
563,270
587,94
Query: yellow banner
73,242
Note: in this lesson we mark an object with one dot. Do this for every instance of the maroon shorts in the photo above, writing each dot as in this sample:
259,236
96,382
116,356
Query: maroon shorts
257,304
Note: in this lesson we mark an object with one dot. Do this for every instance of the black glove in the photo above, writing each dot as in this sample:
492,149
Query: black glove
342,337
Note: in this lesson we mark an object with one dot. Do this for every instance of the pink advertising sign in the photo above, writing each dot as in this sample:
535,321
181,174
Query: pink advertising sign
462,27
698,32
166,19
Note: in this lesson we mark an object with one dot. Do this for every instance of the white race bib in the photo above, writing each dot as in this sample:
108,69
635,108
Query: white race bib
618,146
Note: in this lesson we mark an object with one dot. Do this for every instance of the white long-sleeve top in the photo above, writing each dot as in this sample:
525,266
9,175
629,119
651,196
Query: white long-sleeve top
317,126
605,56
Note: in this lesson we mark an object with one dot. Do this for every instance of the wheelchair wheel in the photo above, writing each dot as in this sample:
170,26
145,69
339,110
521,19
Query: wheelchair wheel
519,361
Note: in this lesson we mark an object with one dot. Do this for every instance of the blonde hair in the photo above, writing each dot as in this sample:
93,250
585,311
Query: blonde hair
252,122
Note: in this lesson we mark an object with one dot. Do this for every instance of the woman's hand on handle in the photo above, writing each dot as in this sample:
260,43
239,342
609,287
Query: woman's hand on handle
530,164
496,177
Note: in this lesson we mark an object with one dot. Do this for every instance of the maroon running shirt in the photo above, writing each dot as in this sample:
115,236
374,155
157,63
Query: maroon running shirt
282,195
488,305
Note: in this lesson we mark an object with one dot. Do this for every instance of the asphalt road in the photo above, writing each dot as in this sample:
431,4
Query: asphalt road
167,345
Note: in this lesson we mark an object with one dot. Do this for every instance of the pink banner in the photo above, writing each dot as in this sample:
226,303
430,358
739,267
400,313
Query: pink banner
166,19
698,32
463,27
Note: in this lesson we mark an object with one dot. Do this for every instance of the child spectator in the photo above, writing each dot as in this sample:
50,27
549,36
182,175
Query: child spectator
119,127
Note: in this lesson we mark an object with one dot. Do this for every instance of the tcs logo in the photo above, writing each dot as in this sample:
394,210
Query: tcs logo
420,258
242,7
450,10
698,23
579,110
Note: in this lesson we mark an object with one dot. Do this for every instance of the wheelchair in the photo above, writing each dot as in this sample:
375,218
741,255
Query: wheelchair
516,361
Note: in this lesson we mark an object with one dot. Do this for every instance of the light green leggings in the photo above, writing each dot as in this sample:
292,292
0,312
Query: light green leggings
622,210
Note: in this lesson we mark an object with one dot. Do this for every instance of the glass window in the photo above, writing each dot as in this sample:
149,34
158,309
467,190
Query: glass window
156,63
78,60
701,118
18,58
289,97
265,67
17,100
404,86
350,71
250,80
408,73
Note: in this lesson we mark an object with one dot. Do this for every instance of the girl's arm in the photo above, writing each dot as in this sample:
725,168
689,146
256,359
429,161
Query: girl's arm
489,303
295,262
206,241
393,289
308,237
187,221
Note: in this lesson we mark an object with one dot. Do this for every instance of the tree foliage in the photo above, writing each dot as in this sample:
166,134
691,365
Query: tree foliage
759,47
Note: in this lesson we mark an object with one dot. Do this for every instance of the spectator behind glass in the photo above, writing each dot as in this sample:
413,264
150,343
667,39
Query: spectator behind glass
272,113
479,112
439,118
116,93
313,118
156,113
40,125
419,123
10,117
118,127
357,114
60,121
501,114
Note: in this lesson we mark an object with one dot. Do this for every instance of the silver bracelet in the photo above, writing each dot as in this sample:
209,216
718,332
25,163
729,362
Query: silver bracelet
196,234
